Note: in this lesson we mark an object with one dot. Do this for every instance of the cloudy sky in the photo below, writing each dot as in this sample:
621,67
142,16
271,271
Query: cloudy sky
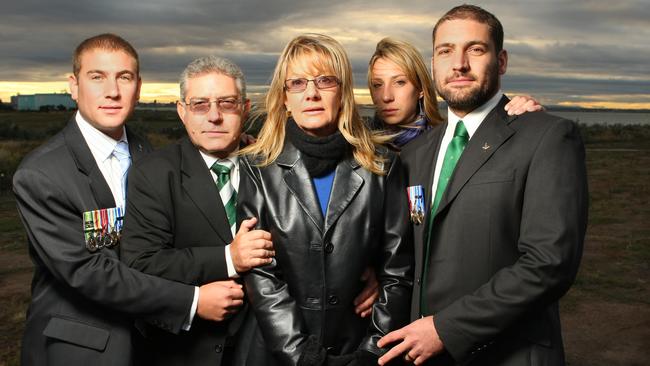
572,52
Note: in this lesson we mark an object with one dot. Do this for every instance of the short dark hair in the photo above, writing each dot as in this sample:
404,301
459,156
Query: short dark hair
106,41
478,14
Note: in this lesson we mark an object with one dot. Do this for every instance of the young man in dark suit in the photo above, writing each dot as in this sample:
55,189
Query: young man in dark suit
505,218
70,196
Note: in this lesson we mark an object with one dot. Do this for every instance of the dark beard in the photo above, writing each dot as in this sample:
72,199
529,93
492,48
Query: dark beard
476,98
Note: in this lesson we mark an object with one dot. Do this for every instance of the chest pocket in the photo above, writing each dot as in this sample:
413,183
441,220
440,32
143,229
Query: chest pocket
492,177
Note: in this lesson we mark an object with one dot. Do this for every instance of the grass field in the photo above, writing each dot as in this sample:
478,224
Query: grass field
605,315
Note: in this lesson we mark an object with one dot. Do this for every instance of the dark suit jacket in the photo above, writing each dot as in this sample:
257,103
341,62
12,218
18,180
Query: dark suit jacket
176,228
506,240
81,301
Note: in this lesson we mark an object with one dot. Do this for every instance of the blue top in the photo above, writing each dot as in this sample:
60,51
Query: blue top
323,187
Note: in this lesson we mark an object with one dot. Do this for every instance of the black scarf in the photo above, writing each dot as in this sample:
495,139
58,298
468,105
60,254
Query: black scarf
320,154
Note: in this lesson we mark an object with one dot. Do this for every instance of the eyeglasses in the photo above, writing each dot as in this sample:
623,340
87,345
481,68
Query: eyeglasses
300,84
202,105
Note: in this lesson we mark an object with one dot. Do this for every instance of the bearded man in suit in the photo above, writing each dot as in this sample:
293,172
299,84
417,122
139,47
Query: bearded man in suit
504,225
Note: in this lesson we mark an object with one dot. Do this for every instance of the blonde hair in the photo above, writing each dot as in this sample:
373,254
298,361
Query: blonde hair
409,59
326,55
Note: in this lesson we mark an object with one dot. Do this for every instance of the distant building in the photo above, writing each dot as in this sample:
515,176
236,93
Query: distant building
35,102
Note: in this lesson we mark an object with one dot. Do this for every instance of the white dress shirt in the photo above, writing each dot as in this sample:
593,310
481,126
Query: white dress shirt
102,146
234,180
472,121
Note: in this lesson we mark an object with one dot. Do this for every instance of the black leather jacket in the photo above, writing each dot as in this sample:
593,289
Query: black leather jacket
310,286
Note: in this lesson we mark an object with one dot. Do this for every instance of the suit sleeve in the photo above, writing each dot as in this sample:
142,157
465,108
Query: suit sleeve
54,228
552,229
394,268
277,313
148,241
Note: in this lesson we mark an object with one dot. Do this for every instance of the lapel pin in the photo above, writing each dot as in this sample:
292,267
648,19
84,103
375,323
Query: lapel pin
486,146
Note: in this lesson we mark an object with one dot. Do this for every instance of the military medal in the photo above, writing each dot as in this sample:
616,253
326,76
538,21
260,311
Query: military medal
97,220
119,223
105,226
91,245
89,231
112,233
416,203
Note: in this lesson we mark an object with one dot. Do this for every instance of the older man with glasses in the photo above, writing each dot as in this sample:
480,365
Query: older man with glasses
181,223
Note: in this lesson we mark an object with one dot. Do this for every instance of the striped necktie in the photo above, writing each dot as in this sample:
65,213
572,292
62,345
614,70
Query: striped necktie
452,155
222,168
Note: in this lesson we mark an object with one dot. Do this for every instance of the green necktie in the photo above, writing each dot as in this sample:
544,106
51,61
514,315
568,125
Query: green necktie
453,153
228,195
454,150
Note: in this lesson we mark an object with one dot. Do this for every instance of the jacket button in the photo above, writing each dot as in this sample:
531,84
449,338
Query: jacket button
417,280
329,248
218,348
333,300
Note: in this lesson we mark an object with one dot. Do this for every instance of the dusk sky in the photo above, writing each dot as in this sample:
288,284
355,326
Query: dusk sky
570,52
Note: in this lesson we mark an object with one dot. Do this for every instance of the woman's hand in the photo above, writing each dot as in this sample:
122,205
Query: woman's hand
521,104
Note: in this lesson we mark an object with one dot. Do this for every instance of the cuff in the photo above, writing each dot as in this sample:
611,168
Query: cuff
232,272
190,316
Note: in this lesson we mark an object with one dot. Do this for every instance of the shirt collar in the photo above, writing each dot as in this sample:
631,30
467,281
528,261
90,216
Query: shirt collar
473,120
210,160
100,144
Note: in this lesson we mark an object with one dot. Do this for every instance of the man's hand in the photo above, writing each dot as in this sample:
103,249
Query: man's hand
251,248
367,297
521,104
418,342
219,300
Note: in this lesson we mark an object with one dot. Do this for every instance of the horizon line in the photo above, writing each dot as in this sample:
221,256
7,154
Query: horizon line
168,93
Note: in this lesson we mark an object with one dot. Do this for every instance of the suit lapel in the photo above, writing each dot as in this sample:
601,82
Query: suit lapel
491,134
344,188
87,165
199,186
137,147
426,157
299,183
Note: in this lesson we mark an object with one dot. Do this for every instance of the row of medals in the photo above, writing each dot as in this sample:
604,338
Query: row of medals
99,240
97,226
